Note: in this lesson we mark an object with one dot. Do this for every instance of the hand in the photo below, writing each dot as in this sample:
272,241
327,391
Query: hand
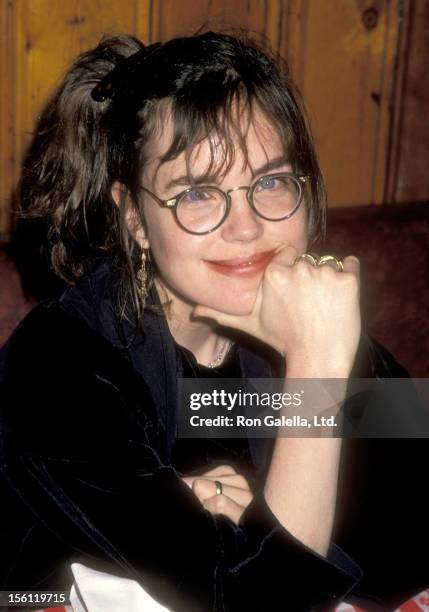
311,315
236,495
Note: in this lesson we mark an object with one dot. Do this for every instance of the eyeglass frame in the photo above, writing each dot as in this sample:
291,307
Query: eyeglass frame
172,203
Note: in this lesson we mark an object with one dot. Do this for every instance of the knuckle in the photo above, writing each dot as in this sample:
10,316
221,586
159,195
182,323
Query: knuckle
328,272
303,269
275,273
199,487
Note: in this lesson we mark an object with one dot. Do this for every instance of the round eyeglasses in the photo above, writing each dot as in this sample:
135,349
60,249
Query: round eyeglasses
202,209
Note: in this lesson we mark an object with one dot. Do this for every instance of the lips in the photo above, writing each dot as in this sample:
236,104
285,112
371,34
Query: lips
242,266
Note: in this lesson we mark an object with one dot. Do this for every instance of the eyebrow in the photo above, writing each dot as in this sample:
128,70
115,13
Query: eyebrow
205,179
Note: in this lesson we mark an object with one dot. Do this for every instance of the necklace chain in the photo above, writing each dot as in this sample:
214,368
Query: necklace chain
222,353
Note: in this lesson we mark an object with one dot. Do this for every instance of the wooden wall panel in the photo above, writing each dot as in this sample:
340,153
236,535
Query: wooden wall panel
184,17
48,37
342,55
43,38
409,159
7,154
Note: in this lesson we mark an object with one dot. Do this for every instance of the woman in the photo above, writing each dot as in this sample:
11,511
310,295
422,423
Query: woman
93,469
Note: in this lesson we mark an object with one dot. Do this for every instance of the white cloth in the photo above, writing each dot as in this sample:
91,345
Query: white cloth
95,591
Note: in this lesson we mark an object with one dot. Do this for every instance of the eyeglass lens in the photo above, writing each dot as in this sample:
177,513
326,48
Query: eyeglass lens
200,210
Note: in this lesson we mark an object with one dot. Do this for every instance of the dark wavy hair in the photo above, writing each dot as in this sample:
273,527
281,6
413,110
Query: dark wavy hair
97,129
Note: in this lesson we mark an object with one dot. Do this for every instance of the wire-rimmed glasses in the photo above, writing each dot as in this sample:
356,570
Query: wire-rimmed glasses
202,209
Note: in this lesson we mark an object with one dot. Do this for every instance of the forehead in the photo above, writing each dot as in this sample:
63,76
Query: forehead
249,143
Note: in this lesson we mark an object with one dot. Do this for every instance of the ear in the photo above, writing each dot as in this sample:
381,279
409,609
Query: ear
121,197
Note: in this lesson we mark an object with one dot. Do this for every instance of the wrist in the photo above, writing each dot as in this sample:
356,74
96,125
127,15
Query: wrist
316,372
309,367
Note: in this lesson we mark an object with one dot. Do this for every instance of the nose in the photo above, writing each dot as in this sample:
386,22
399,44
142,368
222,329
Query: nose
242,223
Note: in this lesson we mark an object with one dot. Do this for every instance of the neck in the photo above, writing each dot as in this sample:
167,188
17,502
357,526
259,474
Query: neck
201,337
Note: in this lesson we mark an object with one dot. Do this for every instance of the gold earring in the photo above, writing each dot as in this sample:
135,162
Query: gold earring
143,277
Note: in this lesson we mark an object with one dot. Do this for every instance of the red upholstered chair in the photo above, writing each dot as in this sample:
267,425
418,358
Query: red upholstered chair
392,243
14,305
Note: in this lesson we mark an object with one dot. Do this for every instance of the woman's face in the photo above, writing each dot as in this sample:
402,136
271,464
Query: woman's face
223,269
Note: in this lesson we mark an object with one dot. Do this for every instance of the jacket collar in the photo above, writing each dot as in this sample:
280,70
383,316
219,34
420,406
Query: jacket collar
152,352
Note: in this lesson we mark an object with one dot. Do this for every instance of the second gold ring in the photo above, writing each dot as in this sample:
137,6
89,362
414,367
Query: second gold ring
328,259
312,258
318,262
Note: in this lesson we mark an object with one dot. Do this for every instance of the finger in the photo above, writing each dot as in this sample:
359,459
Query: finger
351,264
220,317
189,480
240,496
226,474
222,504
244,323
285,255
233,480
276,270
204,489
221,470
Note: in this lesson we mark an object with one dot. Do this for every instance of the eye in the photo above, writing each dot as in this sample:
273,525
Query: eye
268,183
196,195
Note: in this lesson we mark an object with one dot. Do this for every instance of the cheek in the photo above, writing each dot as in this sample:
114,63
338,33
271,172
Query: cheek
301,229
162,233
171,247
302,237
291,231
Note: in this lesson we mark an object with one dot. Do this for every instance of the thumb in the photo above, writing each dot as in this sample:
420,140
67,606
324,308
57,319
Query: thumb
221,318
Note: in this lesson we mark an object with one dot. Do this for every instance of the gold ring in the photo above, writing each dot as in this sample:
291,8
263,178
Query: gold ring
327,259
219,488
312,258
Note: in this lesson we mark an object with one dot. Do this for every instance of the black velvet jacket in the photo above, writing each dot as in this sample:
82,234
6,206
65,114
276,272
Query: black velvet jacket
91,472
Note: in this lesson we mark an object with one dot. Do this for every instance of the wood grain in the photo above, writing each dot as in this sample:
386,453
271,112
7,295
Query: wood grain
7,152
409,148
343,63
345,73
